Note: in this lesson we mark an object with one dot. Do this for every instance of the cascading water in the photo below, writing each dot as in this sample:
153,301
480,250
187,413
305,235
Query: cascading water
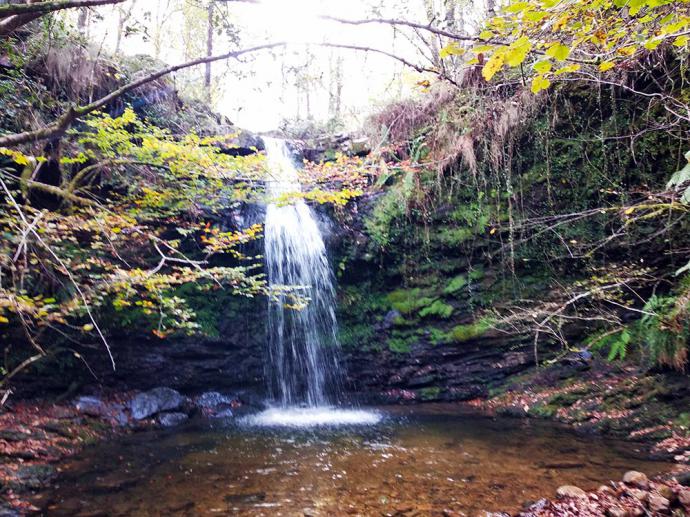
303,364
303,371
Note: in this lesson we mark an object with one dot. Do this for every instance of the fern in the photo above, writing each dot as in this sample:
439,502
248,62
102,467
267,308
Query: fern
681,179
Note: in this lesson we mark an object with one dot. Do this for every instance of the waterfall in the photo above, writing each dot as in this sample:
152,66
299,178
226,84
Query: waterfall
302,367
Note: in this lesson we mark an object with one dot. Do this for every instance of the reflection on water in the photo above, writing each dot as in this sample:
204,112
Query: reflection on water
415,462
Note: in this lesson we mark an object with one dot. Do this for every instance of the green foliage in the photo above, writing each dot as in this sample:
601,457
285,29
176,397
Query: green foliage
665,330
681,181
389,211
583,36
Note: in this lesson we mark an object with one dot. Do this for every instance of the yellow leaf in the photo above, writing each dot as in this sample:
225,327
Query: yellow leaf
567,69
542,66
681,41
493,65
493,230
518,50
629,210
452,49
87,328
3,319
558,51
606,65
540,83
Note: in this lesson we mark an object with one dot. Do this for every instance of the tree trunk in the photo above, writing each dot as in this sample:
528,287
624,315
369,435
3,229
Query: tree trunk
209,52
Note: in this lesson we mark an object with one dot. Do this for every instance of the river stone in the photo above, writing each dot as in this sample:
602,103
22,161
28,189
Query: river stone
571,491
658,503
684,498
638,494
32,477
155,401
636,479
92,406
616,511
212,399
172,419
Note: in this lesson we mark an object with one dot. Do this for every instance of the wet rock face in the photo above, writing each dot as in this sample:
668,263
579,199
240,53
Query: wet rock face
428,372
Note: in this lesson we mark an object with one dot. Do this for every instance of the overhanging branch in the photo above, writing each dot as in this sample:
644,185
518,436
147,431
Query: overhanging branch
49,7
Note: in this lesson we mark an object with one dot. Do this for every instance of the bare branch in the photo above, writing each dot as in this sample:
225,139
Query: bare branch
58,127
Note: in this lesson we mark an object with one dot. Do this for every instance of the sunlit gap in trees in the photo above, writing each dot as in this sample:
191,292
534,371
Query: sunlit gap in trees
292,21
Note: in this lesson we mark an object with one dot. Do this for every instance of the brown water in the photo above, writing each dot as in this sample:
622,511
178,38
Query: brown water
418,461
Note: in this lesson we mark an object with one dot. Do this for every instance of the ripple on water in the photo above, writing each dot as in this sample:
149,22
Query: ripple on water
312,417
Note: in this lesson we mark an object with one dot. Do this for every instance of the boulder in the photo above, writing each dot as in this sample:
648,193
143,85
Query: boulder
636,479
571,491
172,419
155,401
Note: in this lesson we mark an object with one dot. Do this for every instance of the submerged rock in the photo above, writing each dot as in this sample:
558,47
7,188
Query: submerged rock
172,419
32,477
213,399
155,401
224,413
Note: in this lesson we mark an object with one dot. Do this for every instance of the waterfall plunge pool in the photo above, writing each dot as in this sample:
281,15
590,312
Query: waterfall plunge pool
423,459
312,417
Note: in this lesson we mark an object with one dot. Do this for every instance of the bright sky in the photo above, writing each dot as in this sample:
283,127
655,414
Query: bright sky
257,95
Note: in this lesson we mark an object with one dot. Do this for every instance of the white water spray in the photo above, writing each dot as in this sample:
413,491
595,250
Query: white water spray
303,342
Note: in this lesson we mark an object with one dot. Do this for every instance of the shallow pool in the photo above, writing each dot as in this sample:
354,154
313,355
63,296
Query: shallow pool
415,461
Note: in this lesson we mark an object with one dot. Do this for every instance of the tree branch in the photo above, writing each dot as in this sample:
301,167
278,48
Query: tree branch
49,7
404,23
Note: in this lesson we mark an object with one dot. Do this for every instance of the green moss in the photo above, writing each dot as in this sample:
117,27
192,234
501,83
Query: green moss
437,309
455,284
430,393
543,410
437,336
401,345
462,333
356,336
407,301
